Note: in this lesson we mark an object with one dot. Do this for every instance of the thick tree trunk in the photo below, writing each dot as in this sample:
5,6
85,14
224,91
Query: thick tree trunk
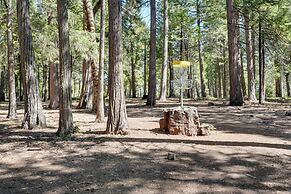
163,92
33,108
66,116
151,101
250,62
90,26
117,116
236,97
54,86
242,74
201,65
100,98
288,84
261,66
11,76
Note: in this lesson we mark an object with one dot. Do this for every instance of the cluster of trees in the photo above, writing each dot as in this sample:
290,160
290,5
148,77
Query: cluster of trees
57,51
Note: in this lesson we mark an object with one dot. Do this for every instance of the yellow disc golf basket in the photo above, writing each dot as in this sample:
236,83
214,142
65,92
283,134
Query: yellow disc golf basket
181,81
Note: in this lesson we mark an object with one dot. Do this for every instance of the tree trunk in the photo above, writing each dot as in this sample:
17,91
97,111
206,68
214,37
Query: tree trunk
100,98
133,69
261,66
145,72
10,52
250,62
2,85
117,116
90,26
236,97
172,89
242,74
66,116
54,86
288,85
151,101
86,98
163,93
44,86
201,65
33,108
278,79
219,80
225,77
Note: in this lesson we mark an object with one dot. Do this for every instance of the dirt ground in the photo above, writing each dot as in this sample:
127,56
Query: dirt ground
250,152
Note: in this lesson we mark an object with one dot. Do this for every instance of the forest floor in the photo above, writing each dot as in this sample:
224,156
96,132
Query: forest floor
249,152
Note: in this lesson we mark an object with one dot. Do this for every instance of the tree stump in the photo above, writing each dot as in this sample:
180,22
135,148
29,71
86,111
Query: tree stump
184,121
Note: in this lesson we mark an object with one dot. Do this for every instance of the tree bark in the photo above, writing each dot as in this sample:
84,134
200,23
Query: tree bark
10,56
225,77
66,116
151,101
201,65
90,26
236,97
145,72
163,92
117,116
261,66
288,84
34,115
2,85
100,95
250,62
54,86
44,86
133,69
242,74
86,98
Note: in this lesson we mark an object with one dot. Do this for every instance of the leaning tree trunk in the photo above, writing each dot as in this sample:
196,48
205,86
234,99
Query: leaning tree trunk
151,101
250,62
34,115
90,26
54,86
236,97
201,65
163,92
11,76
100,98
66,116
117,116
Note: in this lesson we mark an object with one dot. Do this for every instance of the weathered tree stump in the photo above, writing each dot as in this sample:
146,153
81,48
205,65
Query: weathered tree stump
184,121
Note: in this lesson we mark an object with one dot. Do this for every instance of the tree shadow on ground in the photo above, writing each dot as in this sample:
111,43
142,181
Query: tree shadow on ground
138,165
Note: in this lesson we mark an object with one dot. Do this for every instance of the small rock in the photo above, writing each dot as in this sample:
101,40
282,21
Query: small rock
172,156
